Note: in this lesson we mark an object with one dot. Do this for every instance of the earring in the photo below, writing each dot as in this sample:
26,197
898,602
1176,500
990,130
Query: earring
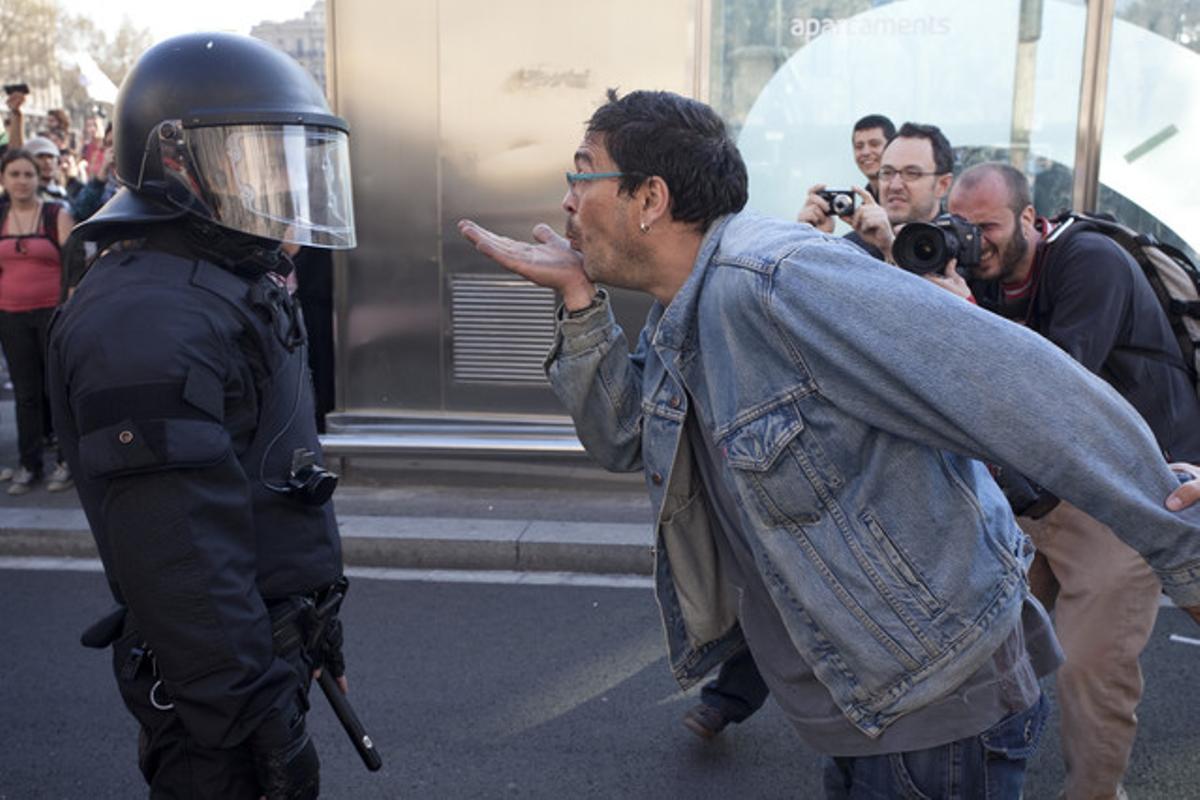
645,228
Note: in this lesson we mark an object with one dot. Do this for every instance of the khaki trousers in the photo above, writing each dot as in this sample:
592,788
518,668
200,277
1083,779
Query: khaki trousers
1105,600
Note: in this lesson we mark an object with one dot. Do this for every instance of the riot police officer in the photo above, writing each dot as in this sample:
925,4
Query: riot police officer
182,399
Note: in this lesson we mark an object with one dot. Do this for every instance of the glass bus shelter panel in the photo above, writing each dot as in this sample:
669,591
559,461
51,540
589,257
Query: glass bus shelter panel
517,82
1152,120
389,313
999,78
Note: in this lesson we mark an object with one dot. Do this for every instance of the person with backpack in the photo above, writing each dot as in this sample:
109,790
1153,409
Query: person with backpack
32,233
1084,292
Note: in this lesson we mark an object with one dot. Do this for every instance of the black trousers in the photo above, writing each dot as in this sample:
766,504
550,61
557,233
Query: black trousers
174,765
739,689
23,336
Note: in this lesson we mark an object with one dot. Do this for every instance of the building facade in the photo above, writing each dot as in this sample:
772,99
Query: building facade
469,108
303,39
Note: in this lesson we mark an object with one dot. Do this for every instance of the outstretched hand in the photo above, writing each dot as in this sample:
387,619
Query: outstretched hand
550,261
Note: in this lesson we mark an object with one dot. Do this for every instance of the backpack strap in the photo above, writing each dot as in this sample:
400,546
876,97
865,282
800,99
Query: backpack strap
47,225
1131,243
50,209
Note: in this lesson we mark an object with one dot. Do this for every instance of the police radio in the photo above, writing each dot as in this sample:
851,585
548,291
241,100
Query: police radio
308,481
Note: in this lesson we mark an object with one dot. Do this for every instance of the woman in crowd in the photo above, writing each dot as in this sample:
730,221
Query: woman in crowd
31,237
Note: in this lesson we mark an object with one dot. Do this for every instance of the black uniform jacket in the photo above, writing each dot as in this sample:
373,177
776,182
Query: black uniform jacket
180,393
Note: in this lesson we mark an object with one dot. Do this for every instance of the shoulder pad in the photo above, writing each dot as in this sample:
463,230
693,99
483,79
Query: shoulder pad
130,447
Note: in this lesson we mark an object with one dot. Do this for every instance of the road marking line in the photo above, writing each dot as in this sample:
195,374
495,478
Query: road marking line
1175,637
47,563
503,577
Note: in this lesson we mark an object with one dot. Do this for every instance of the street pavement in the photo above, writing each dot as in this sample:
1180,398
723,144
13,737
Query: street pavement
489,690
503,642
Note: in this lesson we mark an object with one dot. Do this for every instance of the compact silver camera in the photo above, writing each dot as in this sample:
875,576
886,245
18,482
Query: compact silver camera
841,201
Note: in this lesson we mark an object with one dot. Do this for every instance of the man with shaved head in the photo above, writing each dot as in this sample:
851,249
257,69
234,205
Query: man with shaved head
1088,296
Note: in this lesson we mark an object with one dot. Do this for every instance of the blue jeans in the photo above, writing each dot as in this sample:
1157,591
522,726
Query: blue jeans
739,689
990,765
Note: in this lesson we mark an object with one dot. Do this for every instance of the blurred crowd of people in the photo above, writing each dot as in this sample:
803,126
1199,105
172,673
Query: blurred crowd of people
75,165
52,175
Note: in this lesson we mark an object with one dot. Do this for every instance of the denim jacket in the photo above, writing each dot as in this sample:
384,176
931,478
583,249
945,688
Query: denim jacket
850,402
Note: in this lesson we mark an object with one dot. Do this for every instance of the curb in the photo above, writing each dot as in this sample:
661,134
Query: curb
398,542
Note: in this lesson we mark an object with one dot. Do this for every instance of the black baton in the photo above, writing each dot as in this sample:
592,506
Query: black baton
346,716
329,687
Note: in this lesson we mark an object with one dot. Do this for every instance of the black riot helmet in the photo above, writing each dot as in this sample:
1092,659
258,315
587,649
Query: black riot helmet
229,130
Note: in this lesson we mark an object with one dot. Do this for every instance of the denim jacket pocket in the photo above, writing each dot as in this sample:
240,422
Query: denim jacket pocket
902,567
769,458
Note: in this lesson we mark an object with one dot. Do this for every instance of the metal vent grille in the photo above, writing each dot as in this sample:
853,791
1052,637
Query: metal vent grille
503,328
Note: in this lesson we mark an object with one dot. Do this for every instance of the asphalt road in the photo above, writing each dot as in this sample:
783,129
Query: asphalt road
489,691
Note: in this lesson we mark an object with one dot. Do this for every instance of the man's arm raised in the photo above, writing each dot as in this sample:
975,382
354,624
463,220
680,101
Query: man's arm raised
550,262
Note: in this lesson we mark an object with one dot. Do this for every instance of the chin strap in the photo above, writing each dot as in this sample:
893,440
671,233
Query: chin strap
239,252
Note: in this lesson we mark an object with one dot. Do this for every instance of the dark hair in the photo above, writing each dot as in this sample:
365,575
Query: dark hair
16,155
943,154
1019,196
680,140
871,121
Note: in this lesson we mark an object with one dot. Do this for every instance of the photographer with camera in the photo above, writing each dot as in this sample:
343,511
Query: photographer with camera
1088,296
868,139
915,173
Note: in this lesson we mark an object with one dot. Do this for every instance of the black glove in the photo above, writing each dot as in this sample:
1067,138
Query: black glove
285,759
330,652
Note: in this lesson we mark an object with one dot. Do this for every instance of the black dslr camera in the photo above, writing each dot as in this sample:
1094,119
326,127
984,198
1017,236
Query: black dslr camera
924,247
841,201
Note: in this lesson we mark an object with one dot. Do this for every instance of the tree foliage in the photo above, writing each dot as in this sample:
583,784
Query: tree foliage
37,38
114,55
26,38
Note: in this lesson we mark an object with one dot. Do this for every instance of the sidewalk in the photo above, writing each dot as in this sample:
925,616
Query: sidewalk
443,514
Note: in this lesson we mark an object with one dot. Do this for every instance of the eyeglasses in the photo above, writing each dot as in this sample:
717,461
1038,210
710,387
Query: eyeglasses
582,177
908,174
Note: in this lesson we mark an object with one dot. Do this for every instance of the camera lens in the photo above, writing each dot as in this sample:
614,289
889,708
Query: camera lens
843,204
921,248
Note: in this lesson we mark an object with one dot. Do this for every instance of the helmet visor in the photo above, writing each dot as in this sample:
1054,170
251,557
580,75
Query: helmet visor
289,183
